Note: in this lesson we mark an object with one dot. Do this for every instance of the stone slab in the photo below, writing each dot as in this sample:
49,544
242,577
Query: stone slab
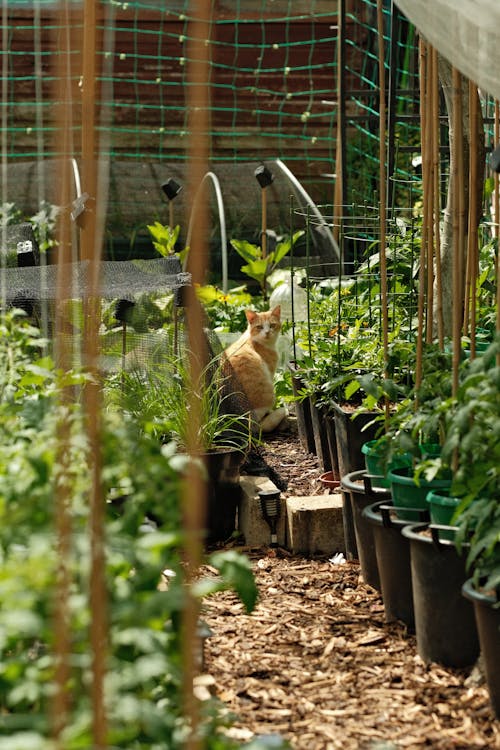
251,522
315,524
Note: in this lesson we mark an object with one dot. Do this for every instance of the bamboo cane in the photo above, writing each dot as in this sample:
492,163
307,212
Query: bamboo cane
457,224
423,245
429,194
90,243
497,219
472,241
434,82
383,190
496,177
194,490
62,96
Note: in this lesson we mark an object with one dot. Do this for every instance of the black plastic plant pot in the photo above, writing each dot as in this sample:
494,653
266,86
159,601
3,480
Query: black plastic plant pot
487,613
445,626
393,560
350,435
318,418
223,492
361,495
303,413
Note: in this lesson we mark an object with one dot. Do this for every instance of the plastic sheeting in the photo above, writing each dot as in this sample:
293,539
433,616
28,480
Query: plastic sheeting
466,32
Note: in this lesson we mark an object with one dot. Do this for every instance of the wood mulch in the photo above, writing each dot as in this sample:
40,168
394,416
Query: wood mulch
317,664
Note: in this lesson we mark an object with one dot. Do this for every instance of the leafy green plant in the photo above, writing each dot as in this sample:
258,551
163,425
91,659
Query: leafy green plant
259,267
164,240
473,444
226,311
163,395
144,668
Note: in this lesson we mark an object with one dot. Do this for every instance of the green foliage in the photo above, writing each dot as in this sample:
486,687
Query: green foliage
140,480
43,223
258,267
473,441
226,311
164,240
163,396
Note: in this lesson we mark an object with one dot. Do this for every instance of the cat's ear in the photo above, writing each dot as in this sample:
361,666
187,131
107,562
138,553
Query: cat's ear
250,315
276,311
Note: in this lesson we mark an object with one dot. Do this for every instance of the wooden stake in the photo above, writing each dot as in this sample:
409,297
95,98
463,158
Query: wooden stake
457,222
497,218
472,240
63,96
427,153
434,83
423,244
91,244
383,187
194,490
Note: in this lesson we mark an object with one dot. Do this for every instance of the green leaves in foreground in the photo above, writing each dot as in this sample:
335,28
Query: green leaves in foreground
235,573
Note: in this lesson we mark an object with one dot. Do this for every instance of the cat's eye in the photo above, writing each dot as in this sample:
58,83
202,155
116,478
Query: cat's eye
259,327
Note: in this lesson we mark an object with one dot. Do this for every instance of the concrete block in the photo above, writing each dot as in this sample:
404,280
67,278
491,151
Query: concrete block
315,524
251,523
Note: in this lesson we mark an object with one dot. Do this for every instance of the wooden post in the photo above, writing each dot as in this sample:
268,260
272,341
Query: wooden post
194,489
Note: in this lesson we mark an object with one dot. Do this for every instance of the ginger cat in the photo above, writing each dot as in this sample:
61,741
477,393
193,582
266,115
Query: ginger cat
253,358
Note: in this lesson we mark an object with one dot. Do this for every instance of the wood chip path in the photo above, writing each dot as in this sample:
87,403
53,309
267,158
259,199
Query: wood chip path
317,664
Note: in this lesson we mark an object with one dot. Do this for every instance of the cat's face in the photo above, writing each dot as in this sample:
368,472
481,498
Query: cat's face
264,326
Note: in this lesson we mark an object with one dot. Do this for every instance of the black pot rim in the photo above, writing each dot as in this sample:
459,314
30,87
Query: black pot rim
348,481
470,591
371,512
411,531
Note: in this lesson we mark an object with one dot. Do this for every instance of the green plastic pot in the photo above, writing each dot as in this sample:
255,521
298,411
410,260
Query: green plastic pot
442,507
374,463
408,496
430,450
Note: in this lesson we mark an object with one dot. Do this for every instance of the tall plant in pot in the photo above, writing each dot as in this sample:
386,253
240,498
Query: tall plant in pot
164,396
473,442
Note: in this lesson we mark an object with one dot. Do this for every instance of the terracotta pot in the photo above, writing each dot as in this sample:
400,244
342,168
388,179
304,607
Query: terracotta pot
330,480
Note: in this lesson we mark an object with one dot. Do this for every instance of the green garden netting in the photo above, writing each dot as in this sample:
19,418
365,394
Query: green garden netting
273,77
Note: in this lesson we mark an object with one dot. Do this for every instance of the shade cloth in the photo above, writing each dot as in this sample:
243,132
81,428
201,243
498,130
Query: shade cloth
466,32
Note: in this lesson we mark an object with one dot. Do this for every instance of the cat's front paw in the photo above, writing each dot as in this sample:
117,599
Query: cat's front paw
273,419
